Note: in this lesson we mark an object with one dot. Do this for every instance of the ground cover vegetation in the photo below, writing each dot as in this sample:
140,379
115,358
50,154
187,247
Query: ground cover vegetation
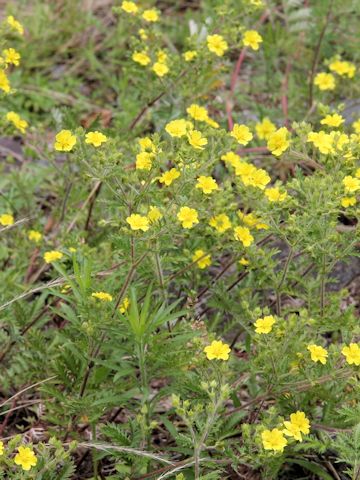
180,289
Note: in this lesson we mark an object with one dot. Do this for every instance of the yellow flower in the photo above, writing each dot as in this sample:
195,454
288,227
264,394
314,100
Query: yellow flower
323,141
64,141
351,184
278,141
123,307
217,350
4,82
274,195
243,235
146,144
1,448
265,128
231,158
348,201
103,296
25,458
143,34
177,128
343,68
161,56
35,236
15,25
6,220
252,38
352,354
216,44
160,69
250,175
317,353
211,122
150,15
252,221
17,121
197,112
138,222
242,134
325,81
243,261
356,126
144,161
188,217
264,325
196,139
129,7
298,424
207,184
168,177
52,256
142,58
154,214
95,138
220,222
334,120
189,55
201,259
11,56
273,440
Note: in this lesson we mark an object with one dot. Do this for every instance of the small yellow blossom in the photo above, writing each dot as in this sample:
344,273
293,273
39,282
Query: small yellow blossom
243,261
334,120
216,44
95,138
146,144
169,176
265,128
188,217
138,222
25,458
53,256
197,112
160,69
4,82
278,141
144,161
142,58
348,201
11,56
231,158
6,219
154,214
343,68
15,24
64,141
242,134
220,222
264,325
196,139
1,448
356,126
35,236
129,7
252,221
103,296
252,38
352,354
325,81
17,121
243,235
297,425
323,141
202,259
273,440
207,184
275,195
318,353
217,350
351,184
189,55
162,56
123,307
177,128
150,15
